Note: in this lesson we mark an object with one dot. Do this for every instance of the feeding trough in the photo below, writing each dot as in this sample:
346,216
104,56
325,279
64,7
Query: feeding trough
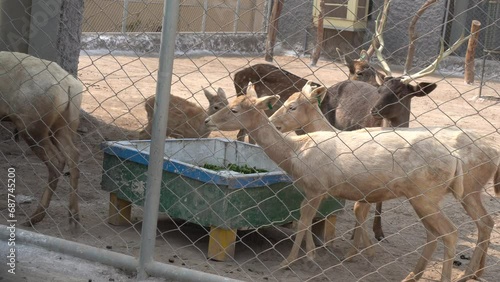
223,200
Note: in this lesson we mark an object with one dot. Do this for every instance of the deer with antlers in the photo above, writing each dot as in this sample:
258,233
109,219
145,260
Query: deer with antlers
352,105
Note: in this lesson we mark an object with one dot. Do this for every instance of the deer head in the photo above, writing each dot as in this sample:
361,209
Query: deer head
244,112
215,102
300,108
397,91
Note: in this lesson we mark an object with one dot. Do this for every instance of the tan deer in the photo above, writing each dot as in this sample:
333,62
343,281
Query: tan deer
185,118
375,166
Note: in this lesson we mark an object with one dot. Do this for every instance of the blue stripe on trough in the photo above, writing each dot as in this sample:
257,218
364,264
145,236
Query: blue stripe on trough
138,152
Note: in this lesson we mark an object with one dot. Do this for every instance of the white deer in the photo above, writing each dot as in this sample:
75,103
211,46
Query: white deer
372,166
43,101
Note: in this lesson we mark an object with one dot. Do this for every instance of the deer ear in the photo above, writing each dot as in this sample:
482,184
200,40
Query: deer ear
267,102
363,55
209,95
221,93
251,90
423,89
318,94
308,87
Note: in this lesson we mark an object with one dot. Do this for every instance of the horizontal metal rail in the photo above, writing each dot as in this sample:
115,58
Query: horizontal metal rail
110,258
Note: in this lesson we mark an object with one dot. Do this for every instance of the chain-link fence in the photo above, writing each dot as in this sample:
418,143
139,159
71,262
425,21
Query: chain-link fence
231,208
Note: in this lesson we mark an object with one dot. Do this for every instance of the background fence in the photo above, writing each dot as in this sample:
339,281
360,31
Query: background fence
195,16
208,221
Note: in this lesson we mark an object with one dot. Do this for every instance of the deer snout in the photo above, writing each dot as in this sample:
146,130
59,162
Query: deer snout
375,112
209,124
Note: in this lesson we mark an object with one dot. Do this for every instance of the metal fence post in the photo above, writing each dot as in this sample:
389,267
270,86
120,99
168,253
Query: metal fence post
125,16
204,18
236,16
167,48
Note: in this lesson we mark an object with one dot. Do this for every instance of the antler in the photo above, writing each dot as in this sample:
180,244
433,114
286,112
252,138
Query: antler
379,29
442,54
413,36
378,37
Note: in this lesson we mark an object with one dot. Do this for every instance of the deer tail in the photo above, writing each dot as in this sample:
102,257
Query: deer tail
496,181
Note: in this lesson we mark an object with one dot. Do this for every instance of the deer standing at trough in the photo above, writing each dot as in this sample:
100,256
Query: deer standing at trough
43,101
185,118
268,80
377,165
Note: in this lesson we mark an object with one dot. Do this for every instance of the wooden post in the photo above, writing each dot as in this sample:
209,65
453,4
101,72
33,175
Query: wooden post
120,211
471,50
319,34
273,28
221,243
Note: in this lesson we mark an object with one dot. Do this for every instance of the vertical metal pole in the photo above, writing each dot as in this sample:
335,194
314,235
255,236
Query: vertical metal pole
237,16
204,18
156,153
125,16
267,15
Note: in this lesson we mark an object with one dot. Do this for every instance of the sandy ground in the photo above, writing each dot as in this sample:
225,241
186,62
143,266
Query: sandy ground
117,87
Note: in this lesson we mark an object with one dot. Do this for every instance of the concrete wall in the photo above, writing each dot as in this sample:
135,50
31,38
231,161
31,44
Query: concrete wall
149,43
296,21
295,24
429,29
15,25
48,29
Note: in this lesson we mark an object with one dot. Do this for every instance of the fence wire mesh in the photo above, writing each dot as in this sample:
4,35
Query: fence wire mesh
226,207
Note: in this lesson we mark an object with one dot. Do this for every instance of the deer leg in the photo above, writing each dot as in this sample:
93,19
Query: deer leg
308,210
310,245
66,146
241,135
146,132
475,209
438,226
361,238
377,223
48,153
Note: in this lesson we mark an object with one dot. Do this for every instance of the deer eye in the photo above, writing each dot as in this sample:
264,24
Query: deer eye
359,73
216,108
292,108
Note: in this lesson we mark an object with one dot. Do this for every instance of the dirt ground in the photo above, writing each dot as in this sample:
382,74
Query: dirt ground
117,87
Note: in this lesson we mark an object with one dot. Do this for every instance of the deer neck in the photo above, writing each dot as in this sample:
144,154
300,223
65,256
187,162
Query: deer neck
401,120
278,147
318,123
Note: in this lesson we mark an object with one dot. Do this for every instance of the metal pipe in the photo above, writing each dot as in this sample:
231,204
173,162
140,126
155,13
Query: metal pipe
156,152
267,15
125,16
236,16
204,18
103,256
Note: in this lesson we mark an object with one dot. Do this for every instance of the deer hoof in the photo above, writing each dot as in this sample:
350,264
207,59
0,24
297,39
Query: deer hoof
410,277
311,255
466,277
37,216
350,254
284,264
